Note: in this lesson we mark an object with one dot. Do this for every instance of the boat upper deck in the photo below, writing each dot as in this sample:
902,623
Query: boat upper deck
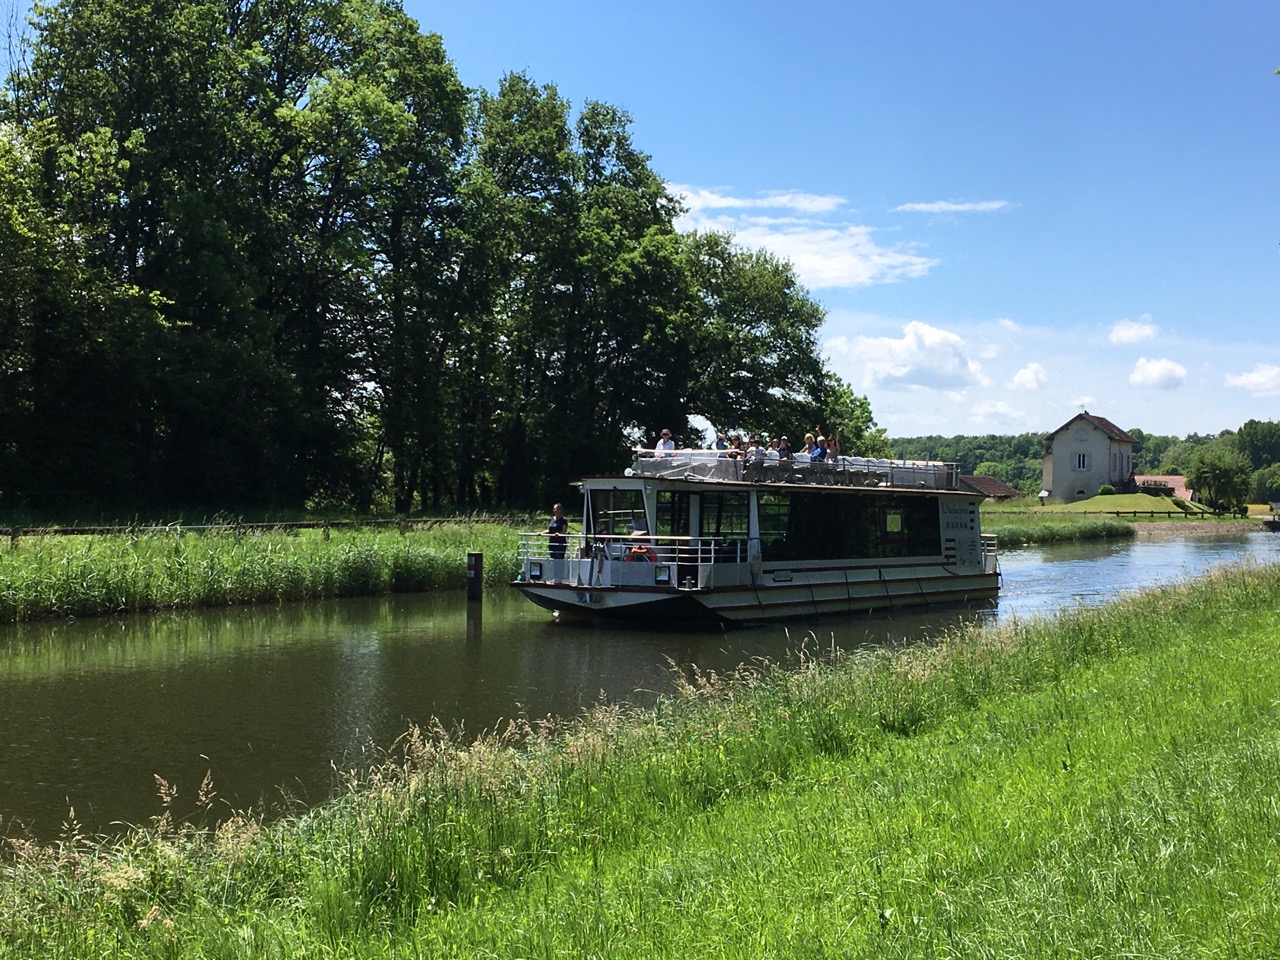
711,466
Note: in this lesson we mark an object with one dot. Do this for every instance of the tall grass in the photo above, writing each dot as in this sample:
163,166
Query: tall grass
1043,528
47,577
1102,783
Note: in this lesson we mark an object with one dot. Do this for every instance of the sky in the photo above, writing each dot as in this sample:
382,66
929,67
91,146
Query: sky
1009,210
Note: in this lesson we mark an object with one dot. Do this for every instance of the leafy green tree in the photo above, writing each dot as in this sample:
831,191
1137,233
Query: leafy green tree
1259,440
850,414
1266,485
1220,476
1178,457
75,344
751,355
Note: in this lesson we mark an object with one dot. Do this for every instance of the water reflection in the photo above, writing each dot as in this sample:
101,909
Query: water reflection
284,698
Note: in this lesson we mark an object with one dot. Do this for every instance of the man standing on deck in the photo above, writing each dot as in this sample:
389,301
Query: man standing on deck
557,530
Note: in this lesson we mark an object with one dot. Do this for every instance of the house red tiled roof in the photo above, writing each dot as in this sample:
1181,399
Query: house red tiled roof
992,487
1103,424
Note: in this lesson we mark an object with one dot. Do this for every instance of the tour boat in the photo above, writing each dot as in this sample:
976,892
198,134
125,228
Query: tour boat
693,534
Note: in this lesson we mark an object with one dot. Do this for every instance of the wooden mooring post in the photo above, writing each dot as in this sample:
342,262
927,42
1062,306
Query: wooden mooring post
475,576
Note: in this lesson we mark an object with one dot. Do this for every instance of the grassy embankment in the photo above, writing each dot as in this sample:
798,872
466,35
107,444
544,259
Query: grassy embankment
1099,784
60,576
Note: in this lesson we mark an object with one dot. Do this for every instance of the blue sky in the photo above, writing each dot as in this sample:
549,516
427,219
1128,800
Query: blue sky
1009,210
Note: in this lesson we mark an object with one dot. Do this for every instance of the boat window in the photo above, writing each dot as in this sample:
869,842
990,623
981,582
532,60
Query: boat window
724,515
772,510
673,513
831,527
617,512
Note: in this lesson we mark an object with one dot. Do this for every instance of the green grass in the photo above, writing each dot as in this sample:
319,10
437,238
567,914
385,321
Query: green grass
1098,784
1027,527
63,576
1135,502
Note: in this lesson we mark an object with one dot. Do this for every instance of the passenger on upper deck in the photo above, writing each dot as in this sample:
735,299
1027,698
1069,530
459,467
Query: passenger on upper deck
772,452
809,445
666,446
784,450
833,445
722,442
819,452
753,448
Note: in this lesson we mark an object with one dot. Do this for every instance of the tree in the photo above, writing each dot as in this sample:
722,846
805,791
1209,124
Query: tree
1260,441
850,414
1266,485
1178,457
1220,476
749,353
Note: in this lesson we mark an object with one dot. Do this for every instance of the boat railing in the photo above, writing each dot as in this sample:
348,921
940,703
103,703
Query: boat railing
592,560
990,555
713,465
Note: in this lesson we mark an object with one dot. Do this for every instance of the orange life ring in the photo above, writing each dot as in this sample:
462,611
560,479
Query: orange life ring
641,552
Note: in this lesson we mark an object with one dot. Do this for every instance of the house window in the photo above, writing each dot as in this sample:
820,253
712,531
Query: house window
1082,461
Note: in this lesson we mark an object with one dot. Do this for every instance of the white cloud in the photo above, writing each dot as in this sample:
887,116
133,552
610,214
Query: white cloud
827,251
1262,381
1162,374
836,256
1008,324
925,357
697,199
1030,377
1133,331
949,206
997,416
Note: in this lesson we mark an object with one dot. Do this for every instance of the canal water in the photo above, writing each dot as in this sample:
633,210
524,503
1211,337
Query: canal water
277,704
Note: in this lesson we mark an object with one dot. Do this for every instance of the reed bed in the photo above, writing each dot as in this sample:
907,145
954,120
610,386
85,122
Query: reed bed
1026,529
1102,783
79,576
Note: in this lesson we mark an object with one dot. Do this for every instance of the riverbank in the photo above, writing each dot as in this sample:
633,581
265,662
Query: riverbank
57,577
1099,783
1162,529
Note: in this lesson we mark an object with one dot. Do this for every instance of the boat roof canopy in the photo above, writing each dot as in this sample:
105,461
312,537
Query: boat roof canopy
708,466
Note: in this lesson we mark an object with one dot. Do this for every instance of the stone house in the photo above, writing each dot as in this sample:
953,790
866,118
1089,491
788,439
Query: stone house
1084,453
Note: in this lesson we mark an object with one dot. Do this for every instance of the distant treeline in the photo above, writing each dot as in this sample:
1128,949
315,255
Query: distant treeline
270,254
1245,463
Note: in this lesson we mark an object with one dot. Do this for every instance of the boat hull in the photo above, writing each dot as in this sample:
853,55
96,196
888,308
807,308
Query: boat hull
852,592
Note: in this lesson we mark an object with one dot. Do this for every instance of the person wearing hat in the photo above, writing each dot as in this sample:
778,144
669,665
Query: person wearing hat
666,446
784,449
722,442
819,452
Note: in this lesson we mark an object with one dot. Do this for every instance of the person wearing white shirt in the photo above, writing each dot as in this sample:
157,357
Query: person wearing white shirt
666,446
